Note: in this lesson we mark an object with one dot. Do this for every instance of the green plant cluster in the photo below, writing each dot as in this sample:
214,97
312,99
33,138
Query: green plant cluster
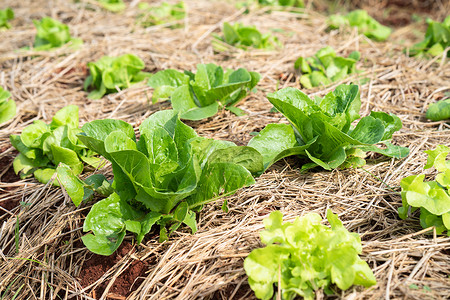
109,74
53,34
165,13
321,130
365,24
291,3
112,5
200,95
431,197
7,106
163,178
304,256
325,67
439,111
43,146
243,37
437,39
6,15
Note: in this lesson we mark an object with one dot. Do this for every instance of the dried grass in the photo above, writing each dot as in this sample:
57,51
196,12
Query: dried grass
208,265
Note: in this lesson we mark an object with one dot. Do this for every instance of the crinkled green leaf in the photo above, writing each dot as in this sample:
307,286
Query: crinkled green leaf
7,107
304,256
52,34
437,38
112,5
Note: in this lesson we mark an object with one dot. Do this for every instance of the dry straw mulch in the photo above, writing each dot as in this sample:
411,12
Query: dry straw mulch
209,264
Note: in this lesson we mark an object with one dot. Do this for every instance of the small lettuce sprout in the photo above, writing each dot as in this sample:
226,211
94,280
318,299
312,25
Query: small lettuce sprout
365,24
165,13
291,3
321,130
43,146
6,15
431,197
325,67
437,39
53,34
304,256
200,95
112,5
109,74
439,111
243,37
7,107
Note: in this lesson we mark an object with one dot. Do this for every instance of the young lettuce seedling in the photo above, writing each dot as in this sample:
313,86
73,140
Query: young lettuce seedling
437,39
43,146
165,13
321,130
365,24
53,34
6,15
7,107
431,197
243,37
163,178
304,256
199,96
325,67
109,74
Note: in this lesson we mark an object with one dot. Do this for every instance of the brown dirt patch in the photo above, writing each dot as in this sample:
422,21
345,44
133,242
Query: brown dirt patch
124,284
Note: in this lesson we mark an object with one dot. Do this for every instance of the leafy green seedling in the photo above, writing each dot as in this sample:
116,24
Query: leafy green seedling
165,13
243,37
43,146
163,178
292,3
109,74
304,256
321,130
198,96
365,24
7,107
112,5
53,34
439,111
437,39
6,15
431,197
325,67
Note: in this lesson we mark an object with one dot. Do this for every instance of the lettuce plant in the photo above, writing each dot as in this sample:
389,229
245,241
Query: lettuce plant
112,5
321,130
304,256
163,178
325,67
437,39
53,34
292,3
43,146
431,197
109,74
6,15
243,37
7,107
162,14
365,24
439,111
198,96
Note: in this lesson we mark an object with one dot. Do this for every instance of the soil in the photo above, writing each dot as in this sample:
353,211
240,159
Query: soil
125,284
8,176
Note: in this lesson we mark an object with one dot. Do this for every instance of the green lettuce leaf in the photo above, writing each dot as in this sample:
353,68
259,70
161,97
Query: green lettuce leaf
165,13
162,178
322,132
437,39
53,34
305,256
365,24
6,15
438,111
109,74
7,106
